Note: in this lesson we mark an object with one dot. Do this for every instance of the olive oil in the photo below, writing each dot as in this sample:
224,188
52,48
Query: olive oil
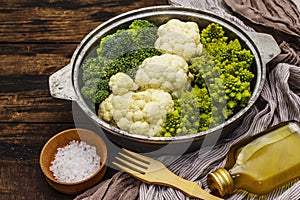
262,163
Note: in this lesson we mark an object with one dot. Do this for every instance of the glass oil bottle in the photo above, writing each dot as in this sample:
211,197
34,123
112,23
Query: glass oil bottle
262,163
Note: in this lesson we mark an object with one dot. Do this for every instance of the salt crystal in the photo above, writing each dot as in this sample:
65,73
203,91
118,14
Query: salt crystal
75,162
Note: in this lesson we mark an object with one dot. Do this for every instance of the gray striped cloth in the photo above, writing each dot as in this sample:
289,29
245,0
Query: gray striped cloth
278,102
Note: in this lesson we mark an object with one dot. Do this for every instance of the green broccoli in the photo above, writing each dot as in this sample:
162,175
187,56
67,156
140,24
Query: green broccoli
114,45
92,68
128,63
96,72
102,91
144,33
96,89
140,34
122,51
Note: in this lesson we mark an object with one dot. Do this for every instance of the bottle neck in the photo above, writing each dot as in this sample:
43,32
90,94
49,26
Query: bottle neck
221,182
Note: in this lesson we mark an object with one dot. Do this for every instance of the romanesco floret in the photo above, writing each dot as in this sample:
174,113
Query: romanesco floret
167,72
213,33
192,113
180,38
224,68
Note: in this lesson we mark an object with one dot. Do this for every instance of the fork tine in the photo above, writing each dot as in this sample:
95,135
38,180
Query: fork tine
139,156
138,162
132,166
126,169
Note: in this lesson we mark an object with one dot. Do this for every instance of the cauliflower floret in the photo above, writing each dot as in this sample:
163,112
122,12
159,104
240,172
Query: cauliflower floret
106,109
138,112
180,38
121,83
145,112
167,72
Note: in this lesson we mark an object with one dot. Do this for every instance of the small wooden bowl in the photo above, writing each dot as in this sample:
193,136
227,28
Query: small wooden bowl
62,139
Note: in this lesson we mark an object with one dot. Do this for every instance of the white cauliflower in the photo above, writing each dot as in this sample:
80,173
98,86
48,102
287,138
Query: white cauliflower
180,38
138,112
167,72
121,83
106,109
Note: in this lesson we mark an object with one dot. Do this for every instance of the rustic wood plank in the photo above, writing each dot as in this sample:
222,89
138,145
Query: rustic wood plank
20,174
20,147
24,141
52,21
33,59
24,74
23,180
33,106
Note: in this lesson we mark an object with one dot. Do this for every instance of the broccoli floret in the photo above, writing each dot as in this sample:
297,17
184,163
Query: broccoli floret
122,51
91,75
89,89
128,63
92,68
140,23
103,90
144,33
140,34
96,72
96,89
100,96
114,45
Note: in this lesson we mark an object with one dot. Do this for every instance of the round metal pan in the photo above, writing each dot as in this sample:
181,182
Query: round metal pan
66,83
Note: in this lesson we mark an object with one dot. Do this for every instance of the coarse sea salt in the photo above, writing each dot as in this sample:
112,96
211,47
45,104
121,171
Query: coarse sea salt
75,162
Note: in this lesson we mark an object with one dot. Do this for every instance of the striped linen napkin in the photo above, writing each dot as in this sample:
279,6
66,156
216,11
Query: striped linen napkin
279,100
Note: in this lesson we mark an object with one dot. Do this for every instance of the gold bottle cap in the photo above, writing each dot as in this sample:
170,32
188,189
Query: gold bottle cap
220,182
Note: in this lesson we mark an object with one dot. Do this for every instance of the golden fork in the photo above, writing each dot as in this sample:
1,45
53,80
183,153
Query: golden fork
154,172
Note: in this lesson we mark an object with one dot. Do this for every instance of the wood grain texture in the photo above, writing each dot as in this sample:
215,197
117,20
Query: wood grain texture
20,174
59,20
37,38
24,91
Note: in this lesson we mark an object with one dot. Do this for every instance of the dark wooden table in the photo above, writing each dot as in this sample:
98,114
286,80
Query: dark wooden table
37,38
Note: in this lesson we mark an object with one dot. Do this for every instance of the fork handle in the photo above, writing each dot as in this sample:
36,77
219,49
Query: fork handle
190,188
